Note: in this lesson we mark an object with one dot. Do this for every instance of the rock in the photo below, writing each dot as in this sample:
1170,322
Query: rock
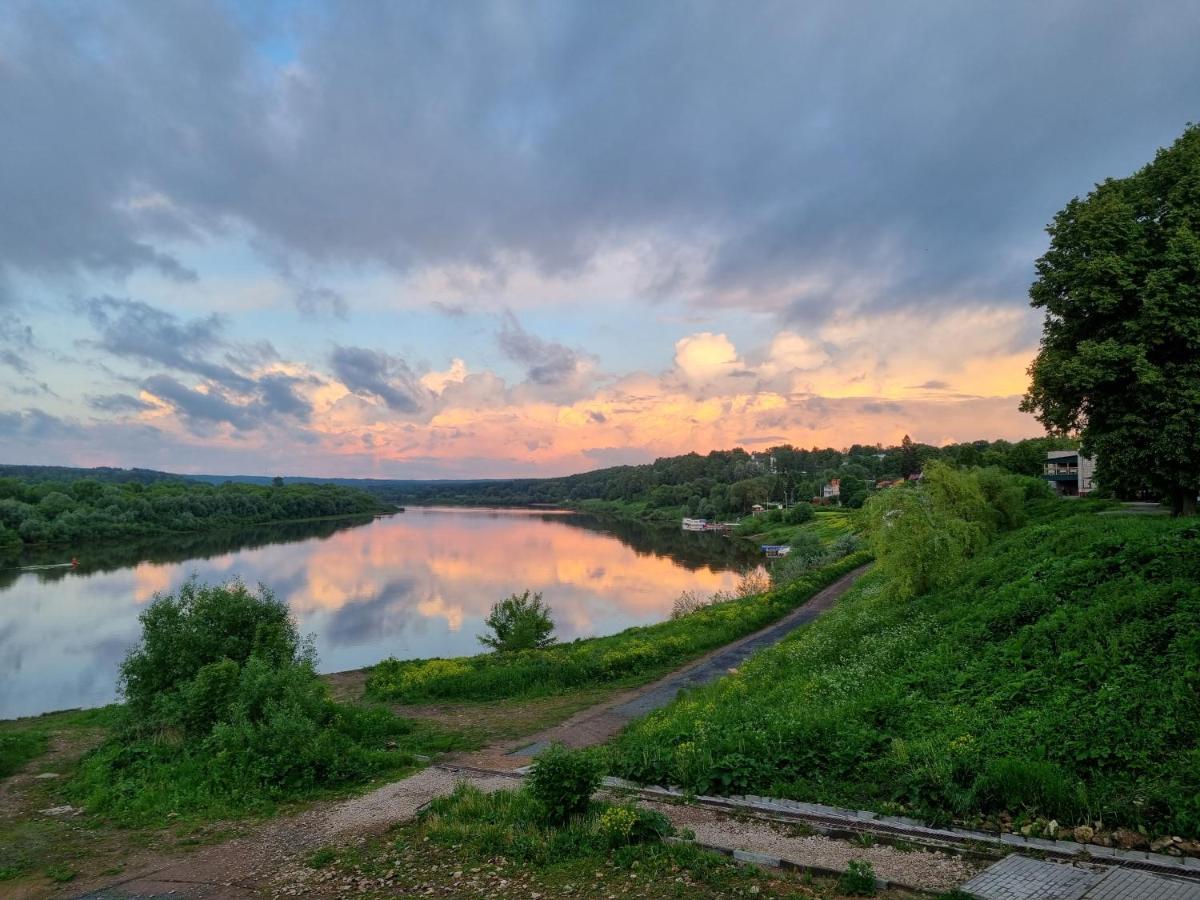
1127,839
45,775
1160,844
1084,834
1192,848
1026,830
1102,840
61,811
1052,827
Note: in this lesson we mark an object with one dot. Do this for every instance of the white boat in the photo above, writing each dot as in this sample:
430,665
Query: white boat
776,551
695,524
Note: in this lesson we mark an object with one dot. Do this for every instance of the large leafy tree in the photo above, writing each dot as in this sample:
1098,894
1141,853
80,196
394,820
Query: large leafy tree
1120,356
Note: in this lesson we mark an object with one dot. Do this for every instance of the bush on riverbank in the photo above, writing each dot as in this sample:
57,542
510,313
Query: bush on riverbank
225,715
519,622
1057,676
634,654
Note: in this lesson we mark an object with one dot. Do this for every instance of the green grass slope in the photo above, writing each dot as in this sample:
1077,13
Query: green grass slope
1059,676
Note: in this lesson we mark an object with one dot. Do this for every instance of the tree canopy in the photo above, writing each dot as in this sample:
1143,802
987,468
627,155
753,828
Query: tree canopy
1120,355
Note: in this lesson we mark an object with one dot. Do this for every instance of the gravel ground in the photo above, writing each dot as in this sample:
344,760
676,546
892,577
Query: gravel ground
399,801
927,870
237,868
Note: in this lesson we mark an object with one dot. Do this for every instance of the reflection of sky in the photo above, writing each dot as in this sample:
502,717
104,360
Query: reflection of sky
417,584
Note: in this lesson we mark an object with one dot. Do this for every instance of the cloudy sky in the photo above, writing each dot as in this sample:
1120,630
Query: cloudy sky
418,239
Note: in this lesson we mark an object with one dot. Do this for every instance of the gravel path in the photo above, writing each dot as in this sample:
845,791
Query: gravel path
927,870
240,867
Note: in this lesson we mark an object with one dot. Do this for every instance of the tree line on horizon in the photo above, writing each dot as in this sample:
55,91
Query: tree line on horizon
729,482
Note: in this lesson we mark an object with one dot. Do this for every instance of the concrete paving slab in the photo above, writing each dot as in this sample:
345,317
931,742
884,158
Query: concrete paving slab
1020,877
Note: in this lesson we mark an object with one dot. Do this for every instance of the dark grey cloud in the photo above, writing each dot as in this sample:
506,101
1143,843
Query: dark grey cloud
200,409
16,341
545,362
373,373
135,330
117,403
229,391
278,394
272,401
35,425
909,156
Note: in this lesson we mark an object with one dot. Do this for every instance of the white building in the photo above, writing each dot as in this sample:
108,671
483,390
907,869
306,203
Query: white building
1069,473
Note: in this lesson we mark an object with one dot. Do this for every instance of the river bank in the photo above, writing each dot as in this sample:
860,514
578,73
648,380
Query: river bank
47,841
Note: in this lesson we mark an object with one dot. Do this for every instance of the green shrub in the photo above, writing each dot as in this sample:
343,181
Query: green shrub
807,553
220,626
225,714
845,544
859,879
513,825
563,781
520,622
799,514
623,825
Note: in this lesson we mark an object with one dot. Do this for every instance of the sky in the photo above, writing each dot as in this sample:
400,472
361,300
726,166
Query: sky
440,240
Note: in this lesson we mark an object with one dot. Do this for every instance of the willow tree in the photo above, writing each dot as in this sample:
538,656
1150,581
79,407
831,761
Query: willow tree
1119,363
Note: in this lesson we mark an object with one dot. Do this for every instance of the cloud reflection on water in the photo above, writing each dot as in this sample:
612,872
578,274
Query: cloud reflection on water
417,584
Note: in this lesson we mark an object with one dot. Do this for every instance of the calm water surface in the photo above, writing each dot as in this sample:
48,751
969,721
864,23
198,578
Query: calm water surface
410,585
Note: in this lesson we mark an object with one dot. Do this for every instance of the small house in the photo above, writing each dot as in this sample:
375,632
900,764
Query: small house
1069,472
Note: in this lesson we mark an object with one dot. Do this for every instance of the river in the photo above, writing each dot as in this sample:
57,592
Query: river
415,584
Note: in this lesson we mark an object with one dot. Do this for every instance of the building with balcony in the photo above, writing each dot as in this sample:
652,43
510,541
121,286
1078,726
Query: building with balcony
1069,472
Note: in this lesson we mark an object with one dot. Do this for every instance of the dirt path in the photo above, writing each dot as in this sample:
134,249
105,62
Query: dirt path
245,866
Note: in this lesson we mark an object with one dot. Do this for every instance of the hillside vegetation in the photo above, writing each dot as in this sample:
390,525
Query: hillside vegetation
1053,672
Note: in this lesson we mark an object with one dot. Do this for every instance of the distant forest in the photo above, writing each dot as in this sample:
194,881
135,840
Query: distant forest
52,504
729,482
55,505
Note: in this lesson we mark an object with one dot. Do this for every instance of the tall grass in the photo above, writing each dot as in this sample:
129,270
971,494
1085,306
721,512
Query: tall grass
636,653
1059,675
